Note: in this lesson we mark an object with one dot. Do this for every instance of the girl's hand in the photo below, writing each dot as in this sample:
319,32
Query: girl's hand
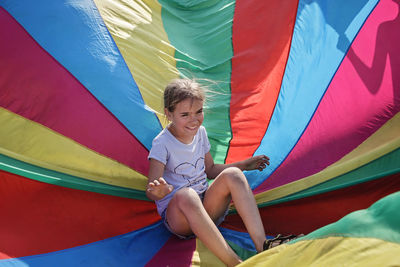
159,188
256,163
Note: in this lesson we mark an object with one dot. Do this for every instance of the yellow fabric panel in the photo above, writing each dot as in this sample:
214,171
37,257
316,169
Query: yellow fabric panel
382,142
36,144
138,31
331,251
203,257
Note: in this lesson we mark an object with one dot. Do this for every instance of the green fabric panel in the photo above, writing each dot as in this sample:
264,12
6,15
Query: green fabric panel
387,165
244,254
61,179
384,166
201,32
381,221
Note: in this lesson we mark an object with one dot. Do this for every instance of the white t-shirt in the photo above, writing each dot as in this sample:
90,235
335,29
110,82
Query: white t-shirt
184,163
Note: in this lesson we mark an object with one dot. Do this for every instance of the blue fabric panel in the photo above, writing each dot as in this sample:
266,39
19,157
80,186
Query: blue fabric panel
74,33
322,35
239,238
132,249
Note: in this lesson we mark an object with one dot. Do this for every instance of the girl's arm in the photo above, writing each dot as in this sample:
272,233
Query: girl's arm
157,187
253,163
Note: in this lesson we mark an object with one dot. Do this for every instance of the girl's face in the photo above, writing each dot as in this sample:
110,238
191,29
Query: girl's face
186,119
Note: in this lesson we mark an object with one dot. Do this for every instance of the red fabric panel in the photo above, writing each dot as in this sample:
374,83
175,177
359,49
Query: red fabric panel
34,85
39,218
308,214
261,47
176,252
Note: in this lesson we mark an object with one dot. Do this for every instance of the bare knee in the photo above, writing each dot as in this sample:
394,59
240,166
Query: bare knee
187,198
232,171
234,176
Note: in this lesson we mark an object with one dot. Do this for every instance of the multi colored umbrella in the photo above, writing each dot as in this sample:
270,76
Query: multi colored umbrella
315,85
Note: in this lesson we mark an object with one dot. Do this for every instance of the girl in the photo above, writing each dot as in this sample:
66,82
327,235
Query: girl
180,161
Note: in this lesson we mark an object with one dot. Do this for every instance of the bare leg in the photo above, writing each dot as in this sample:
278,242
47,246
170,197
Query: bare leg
186,215
231,183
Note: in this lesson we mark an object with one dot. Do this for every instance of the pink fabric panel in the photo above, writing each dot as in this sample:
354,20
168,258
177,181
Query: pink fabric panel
175,252
34,85
363,95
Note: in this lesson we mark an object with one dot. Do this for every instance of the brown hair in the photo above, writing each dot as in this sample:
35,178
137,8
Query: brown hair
179,90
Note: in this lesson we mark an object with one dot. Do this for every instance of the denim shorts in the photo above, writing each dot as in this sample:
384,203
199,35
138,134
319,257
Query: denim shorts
217,222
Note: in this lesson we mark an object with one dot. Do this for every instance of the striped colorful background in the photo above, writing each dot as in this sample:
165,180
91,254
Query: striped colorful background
315,85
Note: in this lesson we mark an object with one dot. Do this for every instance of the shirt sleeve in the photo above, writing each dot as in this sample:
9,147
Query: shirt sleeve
158,151
206,142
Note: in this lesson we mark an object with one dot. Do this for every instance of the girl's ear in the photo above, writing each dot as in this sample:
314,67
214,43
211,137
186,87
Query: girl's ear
168,114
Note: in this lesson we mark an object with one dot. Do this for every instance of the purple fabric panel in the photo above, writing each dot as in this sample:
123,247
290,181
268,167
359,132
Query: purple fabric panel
175,252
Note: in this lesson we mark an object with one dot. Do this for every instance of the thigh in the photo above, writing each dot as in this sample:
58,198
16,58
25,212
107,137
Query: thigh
175,218
217,198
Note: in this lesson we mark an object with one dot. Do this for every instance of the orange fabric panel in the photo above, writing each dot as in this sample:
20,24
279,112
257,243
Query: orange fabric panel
261,48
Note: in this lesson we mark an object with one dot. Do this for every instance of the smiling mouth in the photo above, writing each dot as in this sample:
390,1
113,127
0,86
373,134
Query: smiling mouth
192,128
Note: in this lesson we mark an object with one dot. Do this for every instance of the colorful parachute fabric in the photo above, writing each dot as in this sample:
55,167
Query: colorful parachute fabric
315,85
369,237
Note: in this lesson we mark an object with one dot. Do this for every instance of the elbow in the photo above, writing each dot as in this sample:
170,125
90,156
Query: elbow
210,175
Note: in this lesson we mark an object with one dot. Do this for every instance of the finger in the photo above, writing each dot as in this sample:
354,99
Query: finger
162,181
265,158
259,158
262,158
156,183
170,188
262,166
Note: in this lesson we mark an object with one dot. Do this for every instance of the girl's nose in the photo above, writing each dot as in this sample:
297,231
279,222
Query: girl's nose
194,118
